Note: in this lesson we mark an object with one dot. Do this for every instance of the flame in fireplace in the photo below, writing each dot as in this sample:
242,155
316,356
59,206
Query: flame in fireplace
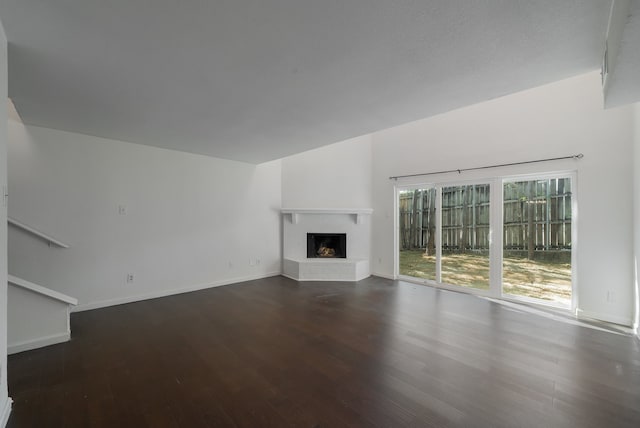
326,252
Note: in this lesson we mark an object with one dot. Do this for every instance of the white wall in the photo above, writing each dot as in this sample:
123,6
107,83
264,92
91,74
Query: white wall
191,221
335,176
5,401
636,214
563,118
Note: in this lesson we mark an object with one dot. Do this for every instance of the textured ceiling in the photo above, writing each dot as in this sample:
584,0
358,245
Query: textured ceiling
255,80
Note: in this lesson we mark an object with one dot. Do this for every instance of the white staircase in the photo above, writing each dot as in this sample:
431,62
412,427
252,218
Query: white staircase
36,316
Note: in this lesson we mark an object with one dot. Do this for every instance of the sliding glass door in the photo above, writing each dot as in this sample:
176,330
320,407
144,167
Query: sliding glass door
465,235
537,239
417,232
444,235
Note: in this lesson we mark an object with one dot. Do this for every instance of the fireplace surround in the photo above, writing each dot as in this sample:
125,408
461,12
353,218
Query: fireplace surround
345,235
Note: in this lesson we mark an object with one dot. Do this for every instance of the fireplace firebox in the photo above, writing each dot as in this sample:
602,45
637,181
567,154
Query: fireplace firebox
327,245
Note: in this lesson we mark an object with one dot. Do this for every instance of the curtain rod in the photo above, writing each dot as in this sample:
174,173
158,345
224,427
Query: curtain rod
459,171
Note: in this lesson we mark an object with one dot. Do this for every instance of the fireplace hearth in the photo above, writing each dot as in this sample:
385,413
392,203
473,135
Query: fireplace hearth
327,245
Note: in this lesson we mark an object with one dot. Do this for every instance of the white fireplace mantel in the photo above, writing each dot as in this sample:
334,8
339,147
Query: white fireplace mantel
358,213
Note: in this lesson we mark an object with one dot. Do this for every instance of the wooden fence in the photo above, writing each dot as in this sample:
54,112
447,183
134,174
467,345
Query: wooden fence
536,217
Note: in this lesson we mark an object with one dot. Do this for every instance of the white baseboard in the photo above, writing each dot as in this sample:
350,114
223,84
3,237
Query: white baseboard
6,412
165,293
627,322
27,345
382,275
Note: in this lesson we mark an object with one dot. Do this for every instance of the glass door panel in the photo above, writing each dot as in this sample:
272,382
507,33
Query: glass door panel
465,235
417,233
537,240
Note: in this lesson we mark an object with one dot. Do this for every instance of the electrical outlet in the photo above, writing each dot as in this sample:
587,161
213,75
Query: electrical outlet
122,209
130,278
258,261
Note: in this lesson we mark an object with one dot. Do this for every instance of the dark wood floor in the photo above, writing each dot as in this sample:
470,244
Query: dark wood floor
278,353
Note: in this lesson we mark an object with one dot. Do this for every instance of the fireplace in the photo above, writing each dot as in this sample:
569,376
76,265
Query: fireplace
327,245
318,227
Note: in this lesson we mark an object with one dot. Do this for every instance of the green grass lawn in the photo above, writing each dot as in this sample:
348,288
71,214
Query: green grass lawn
537,279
